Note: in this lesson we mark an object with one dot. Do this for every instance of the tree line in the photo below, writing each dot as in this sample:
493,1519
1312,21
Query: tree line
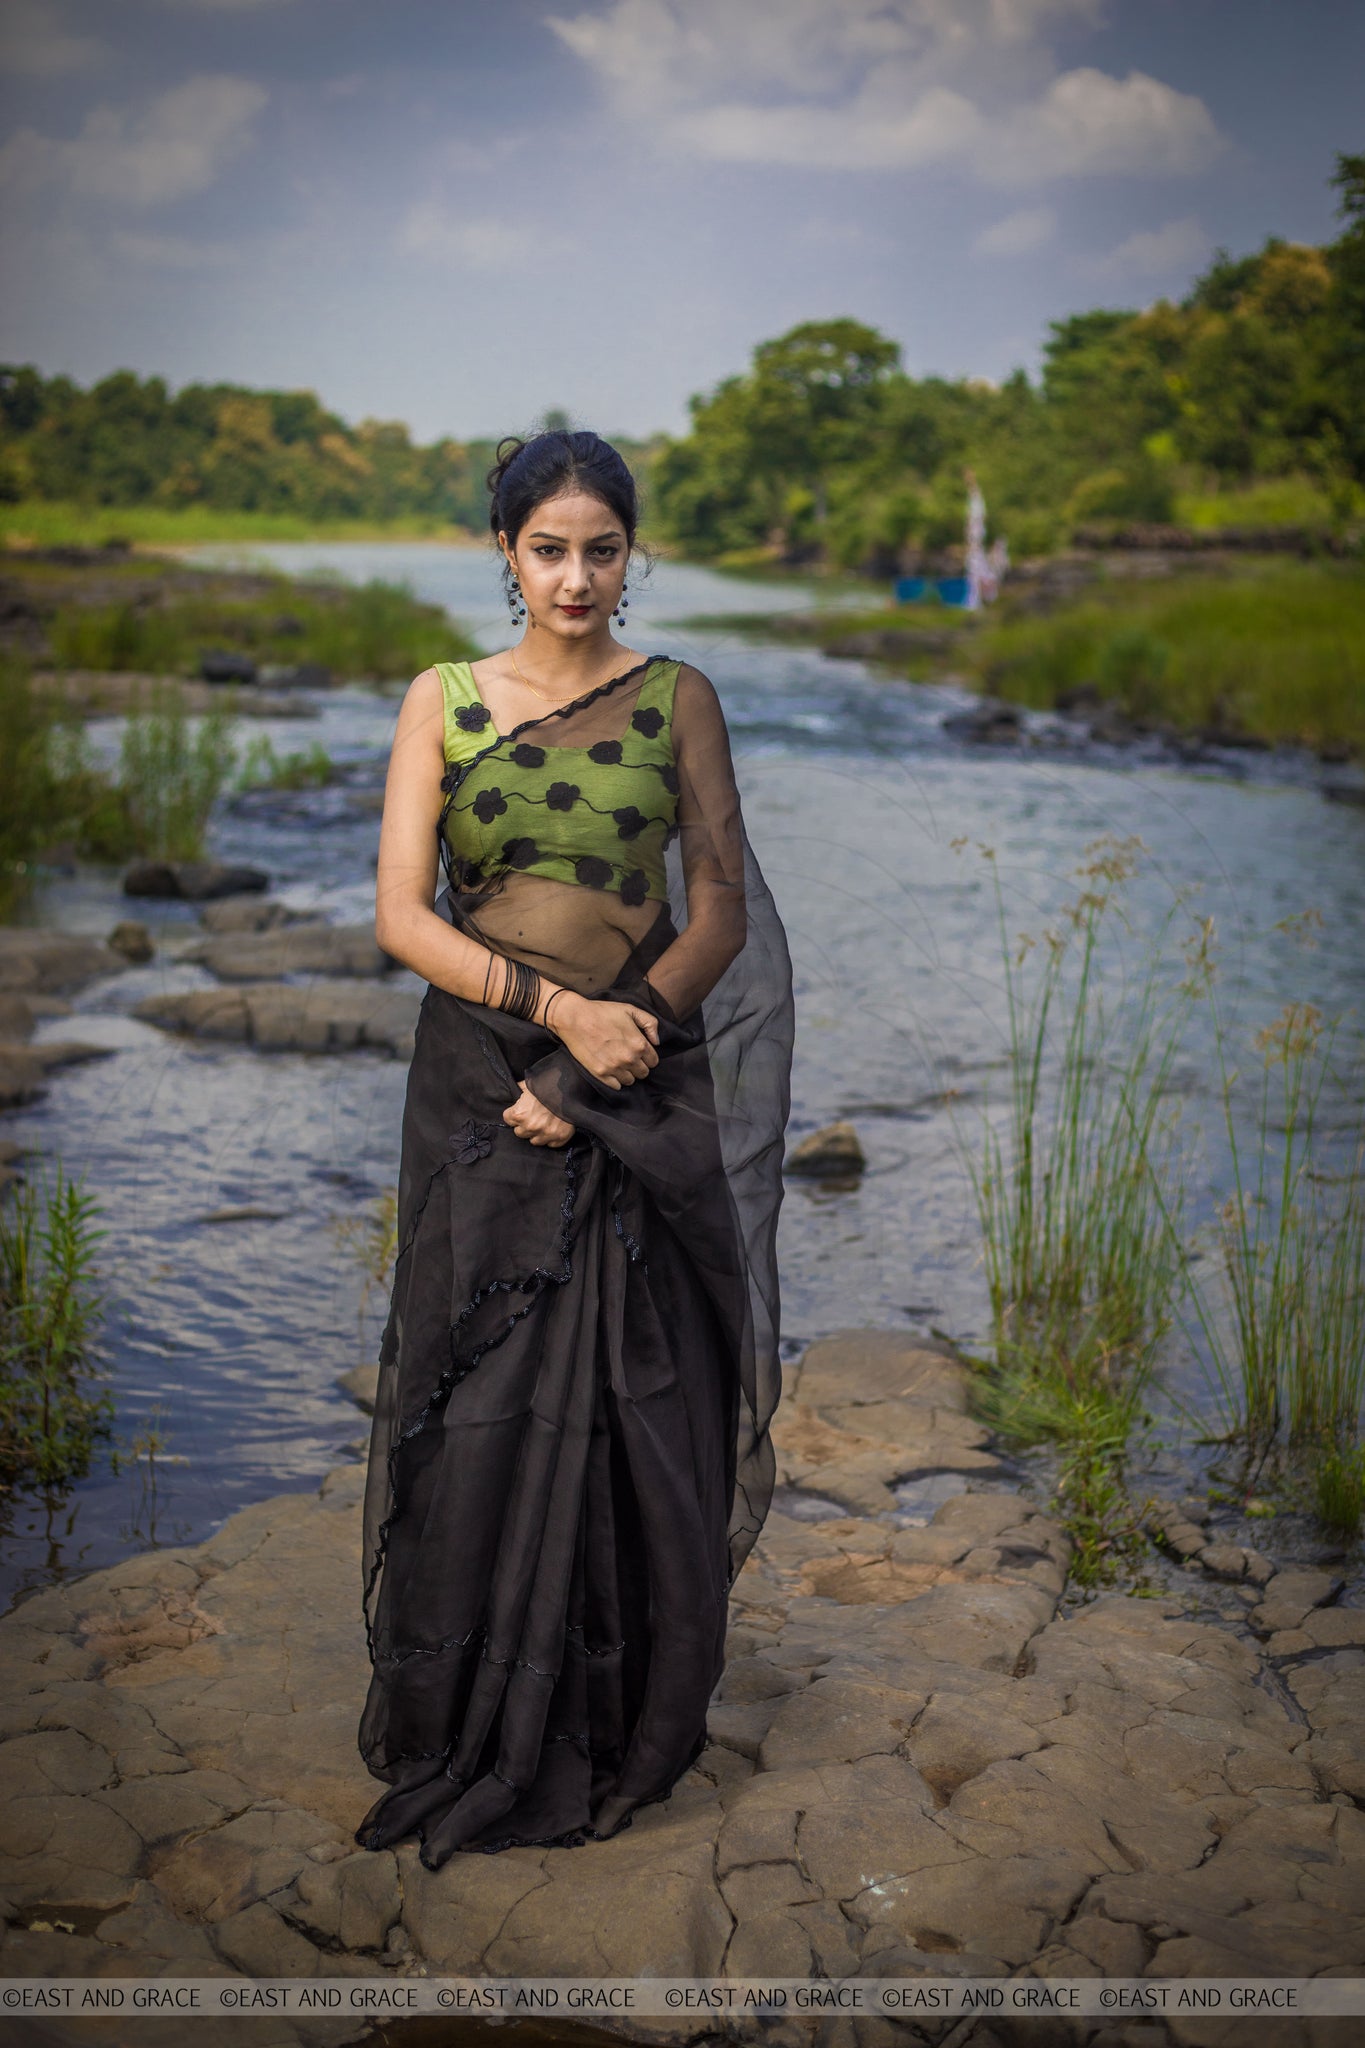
825,448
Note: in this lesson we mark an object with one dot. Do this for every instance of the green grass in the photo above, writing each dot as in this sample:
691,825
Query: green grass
1275,649
1275,501
1289,1355
1082,1266
376,630
304,768
1339,1490
43,523
53,1405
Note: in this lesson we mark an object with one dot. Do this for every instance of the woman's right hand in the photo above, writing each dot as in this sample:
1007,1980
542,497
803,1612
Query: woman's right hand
616,1042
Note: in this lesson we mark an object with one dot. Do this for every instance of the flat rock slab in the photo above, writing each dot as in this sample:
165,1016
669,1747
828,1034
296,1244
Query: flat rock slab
325,1016
252,914
299,948
916,1765
46,962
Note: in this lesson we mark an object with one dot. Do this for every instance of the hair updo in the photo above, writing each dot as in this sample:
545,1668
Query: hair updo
526,473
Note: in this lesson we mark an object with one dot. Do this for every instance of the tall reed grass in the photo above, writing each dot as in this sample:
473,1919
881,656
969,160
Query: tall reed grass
53,1405
1288,1351
1082,1266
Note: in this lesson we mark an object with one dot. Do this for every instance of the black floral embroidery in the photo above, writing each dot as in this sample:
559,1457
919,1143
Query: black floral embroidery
635,886
669,778
475,1141
527,756
650,721
519,853
592,872
489,804
606,753
472,717
562,796
450,781
630,823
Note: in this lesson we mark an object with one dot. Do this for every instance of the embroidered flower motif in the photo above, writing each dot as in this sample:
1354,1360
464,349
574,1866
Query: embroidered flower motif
592,872
472,717
650,721
630,823
475,1141
635,887
606,753
519,853
450,781
489,804
669,778
562,796
527,756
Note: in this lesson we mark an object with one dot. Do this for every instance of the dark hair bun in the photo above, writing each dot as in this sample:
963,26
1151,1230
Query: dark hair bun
526,473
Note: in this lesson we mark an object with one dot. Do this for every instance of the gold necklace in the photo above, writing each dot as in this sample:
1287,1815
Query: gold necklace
535,688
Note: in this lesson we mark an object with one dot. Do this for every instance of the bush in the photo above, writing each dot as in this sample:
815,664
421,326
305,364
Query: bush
1132,666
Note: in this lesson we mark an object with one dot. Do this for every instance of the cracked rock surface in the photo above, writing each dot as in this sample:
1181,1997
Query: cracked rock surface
917,1765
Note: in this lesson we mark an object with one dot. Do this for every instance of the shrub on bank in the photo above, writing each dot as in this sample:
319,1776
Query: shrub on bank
1277,651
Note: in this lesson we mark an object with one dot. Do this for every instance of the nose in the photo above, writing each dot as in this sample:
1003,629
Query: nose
576,579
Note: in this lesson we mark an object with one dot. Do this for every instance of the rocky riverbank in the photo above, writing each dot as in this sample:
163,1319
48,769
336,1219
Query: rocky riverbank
917,1763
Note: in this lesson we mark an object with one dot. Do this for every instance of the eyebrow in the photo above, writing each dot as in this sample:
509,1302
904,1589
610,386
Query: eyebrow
612,533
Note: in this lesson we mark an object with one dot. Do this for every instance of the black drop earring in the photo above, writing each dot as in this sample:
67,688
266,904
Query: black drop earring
516,603
622,607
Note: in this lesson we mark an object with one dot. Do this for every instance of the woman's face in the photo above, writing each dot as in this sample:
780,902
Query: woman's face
570,558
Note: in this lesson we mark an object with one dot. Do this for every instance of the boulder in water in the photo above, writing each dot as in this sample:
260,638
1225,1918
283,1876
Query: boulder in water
192,880
828,1153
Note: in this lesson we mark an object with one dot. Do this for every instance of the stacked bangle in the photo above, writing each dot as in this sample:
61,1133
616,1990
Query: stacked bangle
521,990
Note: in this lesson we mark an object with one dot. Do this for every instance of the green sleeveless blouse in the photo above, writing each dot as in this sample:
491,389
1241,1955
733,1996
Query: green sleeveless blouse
600,816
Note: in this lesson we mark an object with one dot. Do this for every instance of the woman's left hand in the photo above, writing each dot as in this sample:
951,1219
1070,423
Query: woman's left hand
530,1119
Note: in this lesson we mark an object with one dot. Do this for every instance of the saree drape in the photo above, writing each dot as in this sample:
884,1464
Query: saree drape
569,1456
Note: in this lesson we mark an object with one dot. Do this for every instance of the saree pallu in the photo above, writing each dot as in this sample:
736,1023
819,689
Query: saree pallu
570,1454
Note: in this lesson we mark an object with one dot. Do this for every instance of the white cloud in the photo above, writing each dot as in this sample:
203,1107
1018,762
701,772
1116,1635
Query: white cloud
1087,122
175,146
1018,233
1179,246
869,137
35,44
464,241
861,85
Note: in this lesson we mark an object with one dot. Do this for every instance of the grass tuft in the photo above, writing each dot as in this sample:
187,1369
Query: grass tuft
53,1406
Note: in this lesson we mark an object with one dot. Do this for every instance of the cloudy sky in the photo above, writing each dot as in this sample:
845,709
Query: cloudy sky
459,212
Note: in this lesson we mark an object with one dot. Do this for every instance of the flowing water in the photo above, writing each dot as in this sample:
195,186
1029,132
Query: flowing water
226,1336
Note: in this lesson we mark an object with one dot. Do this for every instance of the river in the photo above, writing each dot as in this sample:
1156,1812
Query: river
225,1337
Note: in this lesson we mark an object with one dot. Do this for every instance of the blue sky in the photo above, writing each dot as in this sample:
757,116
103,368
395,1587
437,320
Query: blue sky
458,214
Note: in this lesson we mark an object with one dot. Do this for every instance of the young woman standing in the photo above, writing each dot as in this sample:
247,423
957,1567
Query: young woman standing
570,1455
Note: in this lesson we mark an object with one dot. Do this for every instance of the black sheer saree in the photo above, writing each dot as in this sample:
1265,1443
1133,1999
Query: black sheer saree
570,1455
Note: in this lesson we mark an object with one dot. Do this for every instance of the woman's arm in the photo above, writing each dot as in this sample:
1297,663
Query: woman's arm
614,1041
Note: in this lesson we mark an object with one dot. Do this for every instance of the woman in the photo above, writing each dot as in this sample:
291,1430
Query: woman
570,1455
